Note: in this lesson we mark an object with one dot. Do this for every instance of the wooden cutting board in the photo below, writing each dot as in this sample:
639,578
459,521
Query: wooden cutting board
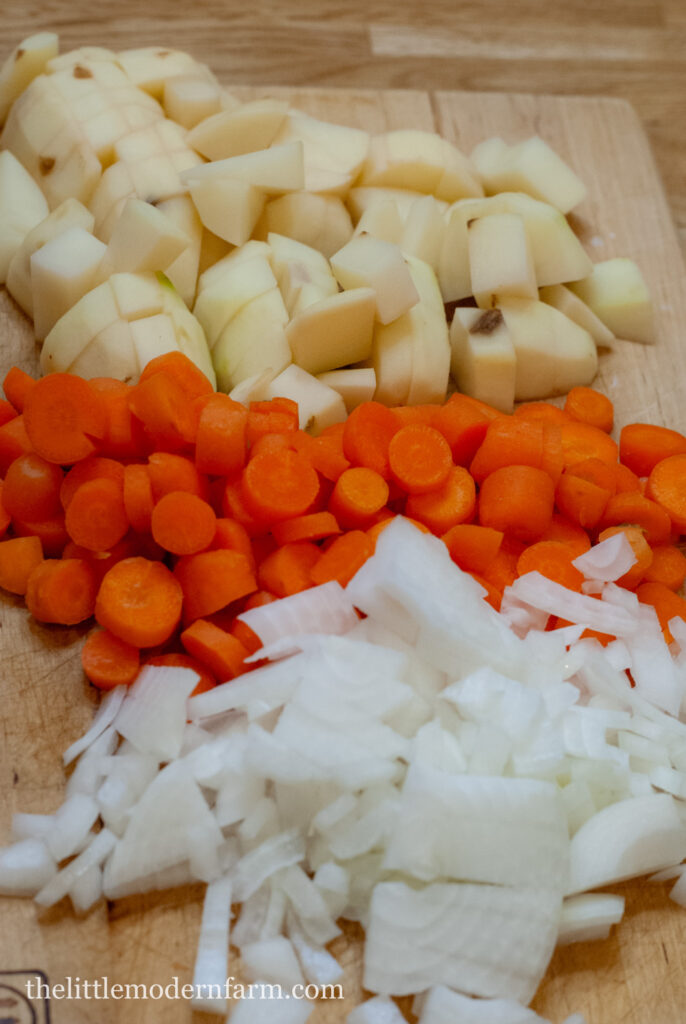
635,977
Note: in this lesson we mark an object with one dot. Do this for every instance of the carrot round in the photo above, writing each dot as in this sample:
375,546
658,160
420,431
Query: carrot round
641,549
668,566
666,603
633,509
625,479
7,412
93,468
206,680
61,591
183,523
161,404
463,421
517,500
501,571
492,595
367,434
590,406
232,535
5,517
14,441
596,472
279,487
171,472
447,506
581,500
569,533
420,458
123,436
63,415
643,445
544,412
510,441
52,533
276,416
31,488
583,441
341,561
325,453
138,499
139,601
288,570
213,647
472,547
667,486
409,415
211,580
359,493
220,444
19,556
16,385
315,526
109,661
96,517
553,560
183,370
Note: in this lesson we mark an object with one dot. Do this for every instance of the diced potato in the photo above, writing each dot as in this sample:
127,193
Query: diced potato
272,171
228,207
219,301
333,332
355,385
531,167
333,153
144,239
189,99
483,360
62,271
303,273
382,220
362,198
254,341
617,293
183,271
562,298
319,221
424,230
245,129
500,260
25,63
151,67
422,161
22,207
367,262
488,159
319,406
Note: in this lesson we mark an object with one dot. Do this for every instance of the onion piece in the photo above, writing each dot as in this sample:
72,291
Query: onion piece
678,891
589,916
265,688
540,592
443,1006
323,609
95,853
212,957
608,560
153,715
258,865
319,967
25,867
87,889
272,960
31,826
104,716
377,1010
71,824
309,906
271,1010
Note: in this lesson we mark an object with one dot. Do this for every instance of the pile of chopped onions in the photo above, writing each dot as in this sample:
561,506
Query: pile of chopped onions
454,778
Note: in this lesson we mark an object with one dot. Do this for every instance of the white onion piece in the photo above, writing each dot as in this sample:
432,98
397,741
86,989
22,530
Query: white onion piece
72,823
323,609
309,906
670,781
87,889
153,716
678,891
268,687
258,865
479,829
31,826
104,716
443,1006
318,966
608,560
252,916
487,697
275,916
90,768
127,778
95,853
551,597
378,1010
629,838
212,957
272,960
25,867
576,1018
269,1010
438,748
333,881
589,916
652,666
485,940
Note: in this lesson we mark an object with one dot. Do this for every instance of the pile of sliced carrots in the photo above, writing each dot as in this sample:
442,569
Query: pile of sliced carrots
165,509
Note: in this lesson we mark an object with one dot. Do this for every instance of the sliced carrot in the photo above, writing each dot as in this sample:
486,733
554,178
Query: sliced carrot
472,547
96,516
643,445
511,441
93,468
517,500
288,570
138,499
272,443
633,509
463,423
162,406
501,572
641,550
32,488
181,369
542,412
625,479
667,486
315,526
666,603
211,580
569,533
14,441
247,636
232,535
109,661
367,434
343,558
420,458
453,503
123,436
278,416
18,558
581,501
139,601
63,415
553,560
16,386
5,517
220,445
51,532
278,487
171,472
409,415
61,591
590,406
492,595
7,412
206,680
102,561
596,472
259,599
233,506
324,452
668,566
183,523
358,495
218,650
583,441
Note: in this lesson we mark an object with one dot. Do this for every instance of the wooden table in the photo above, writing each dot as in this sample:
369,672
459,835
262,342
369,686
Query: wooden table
635,977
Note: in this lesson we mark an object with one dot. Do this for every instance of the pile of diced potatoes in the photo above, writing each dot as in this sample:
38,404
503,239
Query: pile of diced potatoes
143,209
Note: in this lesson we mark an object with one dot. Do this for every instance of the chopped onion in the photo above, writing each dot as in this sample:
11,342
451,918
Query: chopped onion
64,881
608,560
31,826
153,715
212,958
589,916
378,1010
540,592
443,1006
258,865
323,609
104,716
87,889
309,906
25,867
283,1010
319,967
71,824
272,960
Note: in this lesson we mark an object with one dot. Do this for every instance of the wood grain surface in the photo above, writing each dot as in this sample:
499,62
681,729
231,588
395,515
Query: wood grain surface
636,977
